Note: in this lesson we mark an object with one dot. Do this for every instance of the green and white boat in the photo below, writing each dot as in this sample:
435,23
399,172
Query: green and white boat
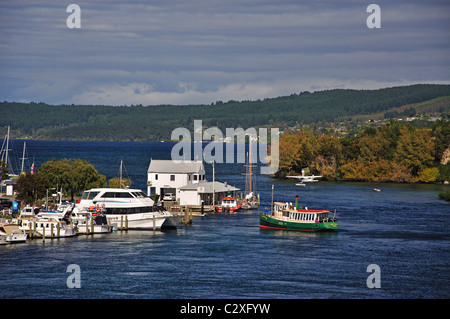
288,217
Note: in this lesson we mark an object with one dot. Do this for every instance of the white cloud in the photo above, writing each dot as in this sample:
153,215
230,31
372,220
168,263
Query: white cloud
202,51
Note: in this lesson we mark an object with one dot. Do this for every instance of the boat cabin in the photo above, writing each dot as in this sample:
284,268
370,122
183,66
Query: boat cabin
289,212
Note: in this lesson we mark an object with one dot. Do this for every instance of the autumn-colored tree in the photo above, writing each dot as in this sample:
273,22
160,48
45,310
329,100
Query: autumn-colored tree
415,149
397,152
297,150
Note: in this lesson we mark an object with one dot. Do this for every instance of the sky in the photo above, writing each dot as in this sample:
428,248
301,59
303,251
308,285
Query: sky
183,52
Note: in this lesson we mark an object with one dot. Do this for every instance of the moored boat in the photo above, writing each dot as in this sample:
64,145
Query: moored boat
46,227
13,233
228,205
129,208
288,217
90,222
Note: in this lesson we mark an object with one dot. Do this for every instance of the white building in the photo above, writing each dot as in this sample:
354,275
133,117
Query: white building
166,176
186,181
195,194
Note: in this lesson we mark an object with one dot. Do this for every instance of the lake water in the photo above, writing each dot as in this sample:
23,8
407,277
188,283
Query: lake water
404,229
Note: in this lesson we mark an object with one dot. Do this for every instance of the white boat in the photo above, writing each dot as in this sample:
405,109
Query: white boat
27,212
251,200
13,233
59,213
47,227
129,208
88,222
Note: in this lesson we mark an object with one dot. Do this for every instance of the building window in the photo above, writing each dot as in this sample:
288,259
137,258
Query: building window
195,177
156,177
172,177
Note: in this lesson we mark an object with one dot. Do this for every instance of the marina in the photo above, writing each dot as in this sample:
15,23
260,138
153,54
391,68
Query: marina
215,255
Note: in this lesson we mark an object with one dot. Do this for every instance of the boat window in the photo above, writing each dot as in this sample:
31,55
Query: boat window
92,195
108,195
85,195
123,195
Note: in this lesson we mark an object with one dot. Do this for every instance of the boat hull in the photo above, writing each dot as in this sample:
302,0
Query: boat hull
269,222
144,221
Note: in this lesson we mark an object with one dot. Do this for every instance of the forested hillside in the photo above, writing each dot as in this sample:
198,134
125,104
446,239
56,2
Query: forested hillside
144,123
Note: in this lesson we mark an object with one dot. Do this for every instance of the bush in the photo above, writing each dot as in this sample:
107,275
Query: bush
445,195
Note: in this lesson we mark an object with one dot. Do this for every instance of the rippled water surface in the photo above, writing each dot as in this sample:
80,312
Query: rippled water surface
404,229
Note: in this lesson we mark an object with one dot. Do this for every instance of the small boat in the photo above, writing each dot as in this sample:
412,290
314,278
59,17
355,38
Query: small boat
289,217
251,200
228,205
377,190
62,211
90,222
27,212
47,227
13,233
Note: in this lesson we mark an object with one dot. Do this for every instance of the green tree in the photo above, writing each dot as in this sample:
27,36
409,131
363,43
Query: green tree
73,176
31,187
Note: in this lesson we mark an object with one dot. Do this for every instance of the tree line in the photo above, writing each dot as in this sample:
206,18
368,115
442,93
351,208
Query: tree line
71,176
396,152
156,122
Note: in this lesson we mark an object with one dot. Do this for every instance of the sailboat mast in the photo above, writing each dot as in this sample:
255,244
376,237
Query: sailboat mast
120,175
7,147
250,167
23,156
246,175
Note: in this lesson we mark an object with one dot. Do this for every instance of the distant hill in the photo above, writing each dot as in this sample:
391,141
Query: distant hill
156,122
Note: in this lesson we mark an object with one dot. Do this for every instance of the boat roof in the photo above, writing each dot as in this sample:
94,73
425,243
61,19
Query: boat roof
113,190
208,187
321,211
170,166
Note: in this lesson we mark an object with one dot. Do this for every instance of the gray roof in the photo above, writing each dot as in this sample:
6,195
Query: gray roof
169,166
207,187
